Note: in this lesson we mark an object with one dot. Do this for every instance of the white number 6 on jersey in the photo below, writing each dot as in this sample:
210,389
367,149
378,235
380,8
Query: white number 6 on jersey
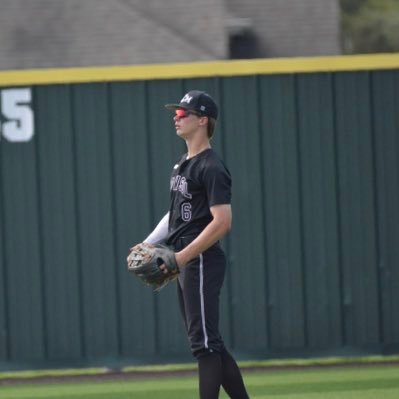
186,211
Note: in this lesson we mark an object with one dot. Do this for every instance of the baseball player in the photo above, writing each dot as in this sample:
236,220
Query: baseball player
199,216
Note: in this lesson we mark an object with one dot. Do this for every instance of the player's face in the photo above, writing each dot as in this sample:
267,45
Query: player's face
186,122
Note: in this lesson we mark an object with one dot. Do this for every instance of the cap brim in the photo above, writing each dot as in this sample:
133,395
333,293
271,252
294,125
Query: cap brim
172,107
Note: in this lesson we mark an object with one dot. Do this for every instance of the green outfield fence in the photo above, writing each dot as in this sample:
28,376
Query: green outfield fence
85,156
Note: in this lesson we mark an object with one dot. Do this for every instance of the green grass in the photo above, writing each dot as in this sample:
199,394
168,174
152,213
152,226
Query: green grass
273,363
380,382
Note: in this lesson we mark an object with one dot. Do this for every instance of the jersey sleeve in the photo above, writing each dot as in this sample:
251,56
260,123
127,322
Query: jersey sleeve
217,183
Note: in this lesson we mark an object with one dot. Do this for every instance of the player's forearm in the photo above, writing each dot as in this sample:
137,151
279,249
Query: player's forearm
160,232
215,230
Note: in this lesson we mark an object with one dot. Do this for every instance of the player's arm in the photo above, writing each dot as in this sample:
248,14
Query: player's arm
157,236
214,231
160,232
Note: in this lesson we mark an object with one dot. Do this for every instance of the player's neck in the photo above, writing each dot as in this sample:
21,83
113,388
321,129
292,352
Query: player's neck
194,147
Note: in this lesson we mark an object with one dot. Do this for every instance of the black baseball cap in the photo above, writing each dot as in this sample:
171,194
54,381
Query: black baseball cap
198,101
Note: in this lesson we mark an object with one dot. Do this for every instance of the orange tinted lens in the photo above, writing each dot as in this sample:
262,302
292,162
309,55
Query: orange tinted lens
181,113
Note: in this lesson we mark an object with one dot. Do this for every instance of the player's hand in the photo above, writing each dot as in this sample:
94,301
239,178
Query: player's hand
179,260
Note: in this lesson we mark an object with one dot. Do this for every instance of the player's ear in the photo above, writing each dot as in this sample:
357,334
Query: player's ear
203,120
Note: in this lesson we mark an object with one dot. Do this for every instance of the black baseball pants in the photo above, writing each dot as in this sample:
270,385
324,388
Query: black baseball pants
200,282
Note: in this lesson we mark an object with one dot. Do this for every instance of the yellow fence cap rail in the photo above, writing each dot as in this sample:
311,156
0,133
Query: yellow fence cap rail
200,69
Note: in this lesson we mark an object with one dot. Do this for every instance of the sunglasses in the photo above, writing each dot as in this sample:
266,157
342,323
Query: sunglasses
183,113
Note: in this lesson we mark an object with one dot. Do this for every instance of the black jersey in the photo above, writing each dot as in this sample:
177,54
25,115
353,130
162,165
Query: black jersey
196,184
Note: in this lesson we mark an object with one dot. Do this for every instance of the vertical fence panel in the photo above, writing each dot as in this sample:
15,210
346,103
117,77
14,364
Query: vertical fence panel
285,288
3,282
133,213
20,208
319,211
357,209
241,131
58,222
386,141
96,225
